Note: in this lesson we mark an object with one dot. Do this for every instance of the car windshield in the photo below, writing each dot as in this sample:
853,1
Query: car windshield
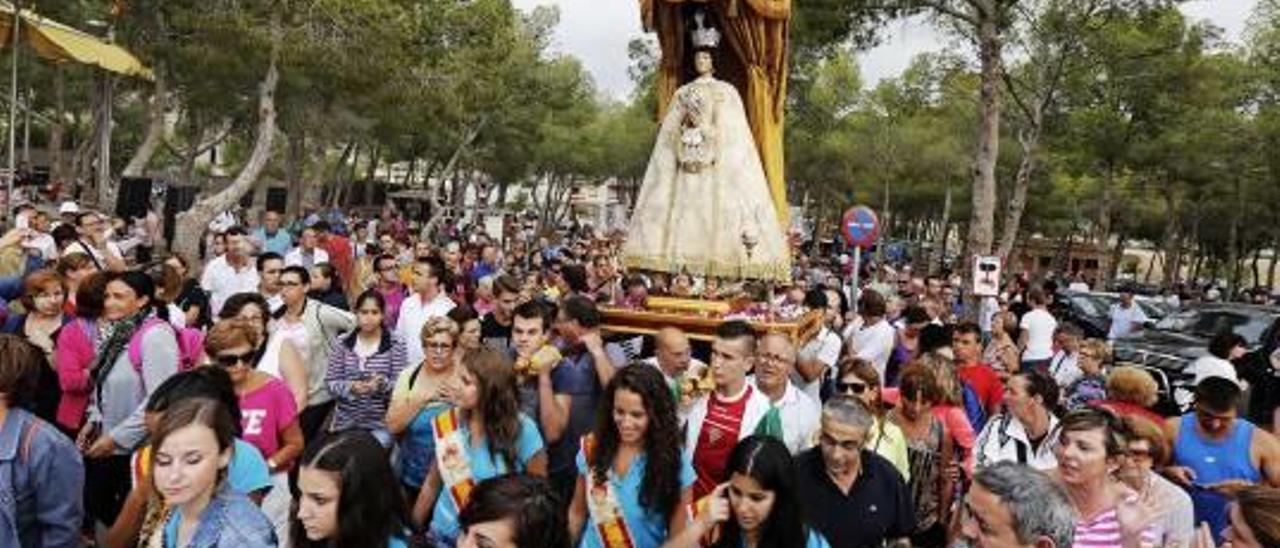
1207,323
1090,306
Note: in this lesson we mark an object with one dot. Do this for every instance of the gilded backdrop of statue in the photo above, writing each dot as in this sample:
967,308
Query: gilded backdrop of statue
705,206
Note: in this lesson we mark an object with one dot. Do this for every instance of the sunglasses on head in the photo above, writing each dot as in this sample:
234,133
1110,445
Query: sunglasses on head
232,360
851,387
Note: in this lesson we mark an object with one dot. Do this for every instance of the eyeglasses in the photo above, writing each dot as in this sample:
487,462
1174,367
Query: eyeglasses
851,387
438,347
847,445
290,283
231,360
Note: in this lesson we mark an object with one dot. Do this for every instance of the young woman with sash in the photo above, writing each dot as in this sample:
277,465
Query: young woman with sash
633,482
483,436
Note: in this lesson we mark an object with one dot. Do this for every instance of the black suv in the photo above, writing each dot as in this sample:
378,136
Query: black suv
1168,349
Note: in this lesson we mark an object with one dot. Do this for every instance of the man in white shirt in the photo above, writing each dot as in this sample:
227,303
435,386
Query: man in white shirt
269,266
818,357
1224,349
1038,326
875,339
799,414
230,273
426,302
93,241
1127,318
1064,365
308,254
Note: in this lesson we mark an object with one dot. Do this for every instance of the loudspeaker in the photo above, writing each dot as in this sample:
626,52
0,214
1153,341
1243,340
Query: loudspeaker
176,199
133,197
277,199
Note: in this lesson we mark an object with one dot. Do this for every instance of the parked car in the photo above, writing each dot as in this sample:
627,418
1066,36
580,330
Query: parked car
1173,343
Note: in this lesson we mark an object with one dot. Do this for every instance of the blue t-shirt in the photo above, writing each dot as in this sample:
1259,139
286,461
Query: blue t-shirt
647,528
484,465
575,376
418,446
248,472
815,540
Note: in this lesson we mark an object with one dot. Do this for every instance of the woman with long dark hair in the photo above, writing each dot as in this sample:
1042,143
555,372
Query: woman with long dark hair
513,510
484,436
121,386
631,474
759,507
344,497
363,368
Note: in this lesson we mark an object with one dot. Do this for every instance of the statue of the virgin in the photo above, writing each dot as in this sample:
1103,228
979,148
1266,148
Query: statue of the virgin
705,206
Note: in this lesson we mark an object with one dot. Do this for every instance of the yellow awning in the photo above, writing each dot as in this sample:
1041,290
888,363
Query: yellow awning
60,43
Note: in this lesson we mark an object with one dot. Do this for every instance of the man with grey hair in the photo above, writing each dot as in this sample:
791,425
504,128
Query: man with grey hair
854,497
790,408
1012,505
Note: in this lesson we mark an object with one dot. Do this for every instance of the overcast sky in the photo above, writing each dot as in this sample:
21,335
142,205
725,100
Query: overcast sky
597,32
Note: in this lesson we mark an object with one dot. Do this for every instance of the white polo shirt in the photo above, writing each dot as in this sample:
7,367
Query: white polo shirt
800,414
825,348
222,281
415,313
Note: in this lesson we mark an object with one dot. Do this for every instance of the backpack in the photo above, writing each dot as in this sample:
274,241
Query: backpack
973,409
190,344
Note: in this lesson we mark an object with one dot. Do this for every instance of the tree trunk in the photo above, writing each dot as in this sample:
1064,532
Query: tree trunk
1030,141
1271,267
468,136
1233,242
981,224
294,159
191,224
940,241
1172,238
1117,257
1256,268
155,127
58,130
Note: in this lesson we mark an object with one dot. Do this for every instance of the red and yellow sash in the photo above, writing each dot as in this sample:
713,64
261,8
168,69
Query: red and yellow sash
602,503
451,458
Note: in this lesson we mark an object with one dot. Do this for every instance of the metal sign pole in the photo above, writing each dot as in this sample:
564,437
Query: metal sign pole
13,111
857,273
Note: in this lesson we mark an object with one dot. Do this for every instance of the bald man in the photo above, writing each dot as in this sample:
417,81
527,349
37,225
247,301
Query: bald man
672,355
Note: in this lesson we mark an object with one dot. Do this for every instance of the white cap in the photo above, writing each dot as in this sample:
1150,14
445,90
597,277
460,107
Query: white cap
68,207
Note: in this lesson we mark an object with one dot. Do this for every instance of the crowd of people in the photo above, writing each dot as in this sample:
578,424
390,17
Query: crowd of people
353,382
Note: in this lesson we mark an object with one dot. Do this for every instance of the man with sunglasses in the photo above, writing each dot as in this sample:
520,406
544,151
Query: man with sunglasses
853,496
1215,451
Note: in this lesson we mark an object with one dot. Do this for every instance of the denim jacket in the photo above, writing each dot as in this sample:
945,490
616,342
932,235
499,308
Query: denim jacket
41,482
231,520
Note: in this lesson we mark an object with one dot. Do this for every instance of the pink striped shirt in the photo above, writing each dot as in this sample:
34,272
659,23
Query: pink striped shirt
1103,531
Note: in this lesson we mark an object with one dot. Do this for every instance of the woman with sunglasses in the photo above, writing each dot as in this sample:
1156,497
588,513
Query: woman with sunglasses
858,378
421,393
363,366
268,413
278,350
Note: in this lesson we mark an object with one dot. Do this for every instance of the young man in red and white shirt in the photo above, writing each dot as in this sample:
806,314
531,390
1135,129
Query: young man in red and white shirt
966,343
717,421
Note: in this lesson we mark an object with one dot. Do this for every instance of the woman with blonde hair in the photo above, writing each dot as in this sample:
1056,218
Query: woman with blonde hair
421,392
1131,392
1091,385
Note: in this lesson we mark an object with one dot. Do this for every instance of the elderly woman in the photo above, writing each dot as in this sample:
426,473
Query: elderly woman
1132,391
1090,386
1091,445
1144,453
420,393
